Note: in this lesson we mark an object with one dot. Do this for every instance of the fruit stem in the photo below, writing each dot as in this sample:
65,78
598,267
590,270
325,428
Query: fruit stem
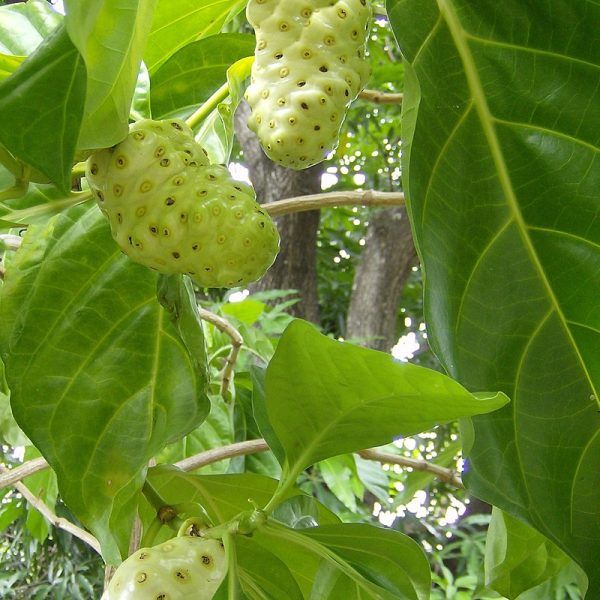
205,109
287,481
157,502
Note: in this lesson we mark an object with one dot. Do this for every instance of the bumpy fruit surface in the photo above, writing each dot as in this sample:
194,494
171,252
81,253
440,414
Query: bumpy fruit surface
182,568
173,211
309,66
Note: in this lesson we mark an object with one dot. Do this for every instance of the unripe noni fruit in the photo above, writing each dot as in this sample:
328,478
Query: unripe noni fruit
184,568
173,211
309,66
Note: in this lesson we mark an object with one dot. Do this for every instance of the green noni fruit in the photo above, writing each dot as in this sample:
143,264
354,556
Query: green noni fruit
309,66
184,568
173,211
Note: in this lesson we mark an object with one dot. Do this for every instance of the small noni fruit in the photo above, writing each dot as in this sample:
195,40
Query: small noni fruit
309,66
182,568
173,211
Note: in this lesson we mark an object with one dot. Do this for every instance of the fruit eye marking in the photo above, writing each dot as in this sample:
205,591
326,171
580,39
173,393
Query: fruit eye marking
175,254
170,201
117,189
206,560
329,40
283,26
139,135
141,577
146,186
100,195
323,69
121,162
306,53
261,45
176,126
141,211
165,162
94,169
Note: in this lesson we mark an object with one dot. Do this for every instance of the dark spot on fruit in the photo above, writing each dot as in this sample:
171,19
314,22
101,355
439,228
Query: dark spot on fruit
304,105
191,272
193,163
306,53
161,597
159,152
175,254
183,217
166,232
141,577
283,26
139,135
143,555
202,193
195,247
317,127
354,34
207,269
206,560
329,40
117,189
94,169
165,162
130,241
323,69
237,187
221,239
176,126
121,162
120,219
188,152
342,13
301,83
261,224
100,196
232,196
153,229
346,92
211,177
278,55
170,201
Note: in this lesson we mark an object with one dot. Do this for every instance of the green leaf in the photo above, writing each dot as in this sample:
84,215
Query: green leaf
338,474
179,22
216,132
111,36
353,398
354,561
518,558
9,64
196,71
42,106
262,574
247,311
101,375
24,25
501,125
223,496
140,106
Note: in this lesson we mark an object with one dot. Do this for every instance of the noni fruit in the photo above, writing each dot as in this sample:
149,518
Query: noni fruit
309,66
182,568
173,211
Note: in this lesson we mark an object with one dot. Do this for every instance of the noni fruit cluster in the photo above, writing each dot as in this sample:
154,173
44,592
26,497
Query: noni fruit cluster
184,568
173,211
309,66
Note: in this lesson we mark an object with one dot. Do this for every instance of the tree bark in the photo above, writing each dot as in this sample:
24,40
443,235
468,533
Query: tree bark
386,262
296,264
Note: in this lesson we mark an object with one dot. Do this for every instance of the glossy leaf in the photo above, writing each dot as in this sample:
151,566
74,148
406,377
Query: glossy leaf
42,106
262,574
501,128
518,559
354,561
179,22
353,398
111,36
196,71
101,375
222,496
24,25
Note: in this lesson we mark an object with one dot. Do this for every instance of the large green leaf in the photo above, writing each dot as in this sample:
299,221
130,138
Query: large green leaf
353,561
23,26
501,126
101,375
111,36
179,22
325,397
519,559
42,105
196,71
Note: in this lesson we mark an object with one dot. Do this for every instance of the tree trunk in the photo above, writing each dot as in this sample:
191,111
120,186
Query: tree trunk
386,262
296,265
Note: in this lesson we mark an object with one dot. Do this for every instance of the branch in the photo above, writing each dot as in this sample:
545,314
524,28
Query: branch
47,512
236,343
381,97
446,475
216,454
12,476
316,201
